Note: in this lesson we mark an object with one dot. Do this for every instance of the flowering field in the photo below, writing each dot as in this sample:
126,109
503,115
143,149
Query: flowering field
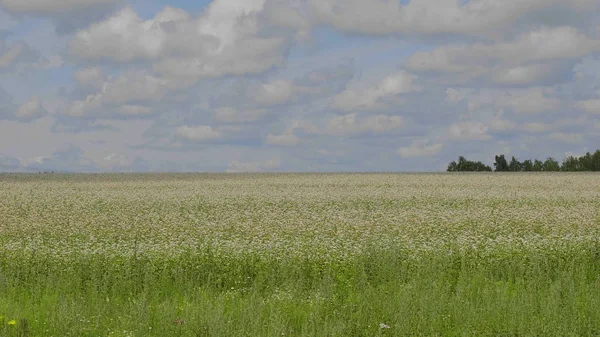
300,254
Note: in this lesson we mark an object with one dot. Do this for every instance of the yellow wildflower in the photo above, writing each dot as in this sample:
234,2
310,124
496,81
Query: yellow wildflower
12,322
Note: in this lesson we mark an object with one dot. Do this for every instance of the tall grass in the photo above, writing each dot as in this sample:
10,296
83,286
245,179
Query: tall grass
300,255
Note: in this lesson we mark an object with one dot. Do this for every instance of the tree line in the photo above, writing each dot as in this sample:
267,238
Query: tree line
588,162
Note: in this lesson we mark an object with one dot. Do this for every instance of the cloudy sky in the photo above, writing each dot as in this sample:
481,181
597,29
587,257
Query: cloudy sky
294,85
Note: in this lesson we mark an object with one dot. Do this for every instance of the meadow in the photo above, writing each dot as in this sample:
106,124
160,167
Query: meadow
477,254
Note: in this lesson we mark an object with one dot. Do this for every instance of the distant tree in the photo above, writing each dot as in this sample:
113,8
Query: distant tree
452,167
596,161
571,164
587,162
500,165
464,165
551,165
515,165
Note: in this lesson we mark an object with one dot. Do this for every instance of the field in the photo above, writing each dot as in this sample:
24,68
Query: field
300,255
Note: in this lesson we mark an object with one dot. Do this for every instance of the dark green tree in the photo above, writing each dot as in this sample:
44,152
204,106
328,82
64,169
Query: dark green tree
527,166
571,164
538,166
586,162
452,167
500,165
515,165
464,165
551,165
596,161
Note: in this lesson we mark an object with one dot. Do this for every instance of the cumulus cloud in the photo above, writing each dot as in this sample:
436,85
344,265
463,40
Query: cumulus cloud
244,79
10,164
573,138
224,40
531,100
370,97
476,17
126,95
44,7
468,131
67,15
31,110
591,106
18,53
420,148
26,112
530,58
264,166
200,133
234,115
534,127
286,139
274,93
92,78
352,124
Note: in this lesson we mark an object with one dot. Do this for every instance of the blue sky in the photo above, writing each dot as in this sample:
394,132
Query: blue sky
294,85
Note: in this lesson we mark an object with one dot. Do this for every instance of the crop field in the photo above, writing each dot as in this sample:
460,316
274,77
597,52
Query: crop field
300,255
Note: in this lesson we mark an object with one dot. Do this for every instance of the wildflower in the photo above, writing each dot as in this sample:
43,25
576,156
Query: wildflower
12,322
383,326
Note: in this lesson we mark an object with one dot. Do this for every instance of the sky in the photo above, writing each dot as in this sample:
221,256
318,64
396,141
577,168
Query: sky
294,85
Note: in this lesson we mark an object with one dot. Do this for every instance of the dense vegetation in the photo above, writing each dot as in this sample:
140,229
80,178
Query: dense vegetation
299,255
588,162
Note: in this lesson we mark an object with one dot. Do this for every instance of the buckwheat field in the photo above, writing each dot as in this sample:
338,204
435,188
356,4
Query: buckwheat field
300,255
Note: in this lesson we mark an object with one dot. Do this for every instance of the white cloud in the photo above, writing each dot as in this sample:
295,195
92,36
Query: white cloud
455,96
224,40
590,106
476,17
521,75
420,148
92,77
572,138
10,164
274,93
135,110
522,61
465,131
283,140
50,7
31,110
124,37
233,115
9,54
199,133
121,95
532,100
368,98
536,127
240,167
350,124
499,124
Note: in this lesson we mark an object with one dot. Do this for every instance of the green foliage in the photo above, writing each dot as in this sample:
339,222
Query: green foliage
515,165
588,162
501,165
465,165
527,166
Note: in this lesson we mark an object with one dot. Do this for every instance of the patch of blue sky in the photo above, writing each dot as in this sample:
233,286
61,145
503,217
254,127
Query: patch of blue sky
147,9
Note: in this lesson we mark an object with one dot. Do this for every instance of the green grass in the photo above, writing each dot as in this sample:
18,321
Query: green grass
101,262
528,295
